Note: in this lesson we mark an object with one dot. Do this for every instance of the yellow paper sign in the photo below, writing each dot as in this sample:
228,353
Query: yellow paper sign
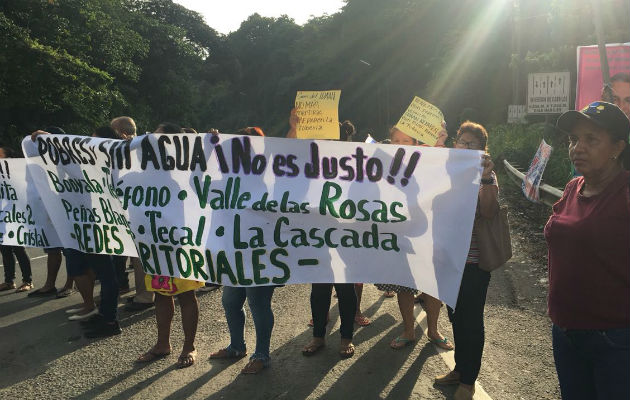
421,121
319,114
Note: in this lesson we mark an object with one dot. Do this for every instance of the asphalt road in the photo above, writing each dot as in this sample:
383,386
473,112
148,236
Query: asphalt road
44,356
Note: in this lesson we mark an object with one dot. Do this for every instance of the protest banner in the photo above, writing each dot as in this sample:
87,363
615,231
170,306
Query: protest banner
318,113
23,218
532,180
73,176
245,211
422,120
589,71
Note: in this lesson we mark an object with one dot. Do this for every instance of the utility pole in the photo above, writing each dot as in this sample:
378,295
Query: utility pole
516,49
603,57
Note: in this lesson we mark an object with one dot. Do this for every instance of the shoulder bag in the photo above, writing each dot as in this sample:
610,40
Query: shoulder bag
493,239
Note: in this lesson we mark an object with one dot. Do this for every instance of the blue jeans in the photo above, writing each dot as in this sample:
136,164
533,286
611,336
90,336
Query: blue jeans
259,299
592,364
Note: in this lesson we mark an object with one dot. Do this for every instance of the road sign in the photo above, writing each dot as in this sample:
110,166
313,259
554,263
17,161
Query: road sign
548,92
516,113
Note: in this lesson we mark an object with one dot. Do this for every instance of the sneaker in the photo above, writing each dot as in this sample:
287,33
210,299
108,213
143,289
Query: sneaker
104,330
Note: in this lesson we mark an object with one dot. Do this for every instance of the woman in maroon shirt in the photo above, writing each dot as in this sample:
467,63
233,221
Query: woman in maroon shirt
588,236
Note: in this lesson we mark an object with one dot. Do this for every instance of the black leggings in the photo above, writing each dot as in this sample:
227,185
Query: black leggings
120,266
320,305
9,263
467,321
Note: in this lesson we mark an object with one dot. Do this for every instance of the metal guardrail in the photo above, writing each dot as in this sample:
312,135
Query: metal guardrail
549,195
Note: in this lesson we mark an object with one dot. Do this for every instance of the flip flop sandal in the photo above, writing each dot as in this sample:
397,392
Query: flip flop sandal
442,343
186,360
6,286
312,348
362,321
64,293
389,293
400,342
24,287
228,353
150,356
253,367
43,293
347,351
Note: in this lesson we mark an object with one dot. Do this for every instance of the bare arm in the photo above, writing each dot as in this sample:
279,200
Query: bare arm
293,120
37,133
442,136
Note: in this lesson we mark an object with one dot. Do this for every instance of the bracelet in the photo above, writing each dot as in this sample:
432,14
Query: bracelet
487,181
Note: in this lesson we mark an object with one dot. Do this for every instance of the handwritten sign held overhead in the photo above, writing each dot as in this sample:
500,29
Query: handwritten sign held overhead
421,121
319,114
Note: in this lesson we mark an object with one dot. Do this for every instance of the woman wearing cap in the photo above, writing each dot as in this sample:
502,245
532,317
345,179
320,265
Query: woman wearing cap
588,237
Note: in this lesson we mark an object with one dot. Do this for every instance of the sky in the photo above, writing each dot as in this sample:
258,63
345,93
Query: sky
226,19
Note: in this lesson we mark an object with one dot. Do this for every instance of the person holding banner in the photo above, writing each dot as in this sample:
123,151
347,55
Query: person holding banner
166,288
259,300
405,295
321,292
8,259
588,240
467,317
125,128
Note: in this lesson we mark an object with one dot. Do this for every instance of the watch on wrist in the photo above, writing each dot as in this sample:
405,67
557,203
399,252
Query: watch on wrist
487,181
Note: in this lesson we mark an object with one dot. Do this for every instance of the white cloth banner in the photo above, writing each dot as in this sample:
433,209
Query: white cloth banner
73,176
244,211
23,218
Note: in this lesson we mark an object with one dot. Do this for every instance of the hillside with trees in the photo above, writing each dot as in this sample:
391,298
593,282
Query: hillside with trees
78,63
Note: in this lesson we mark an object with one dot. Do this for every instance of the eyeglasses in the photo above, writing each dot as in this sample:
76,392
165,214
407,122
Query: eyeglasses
469,145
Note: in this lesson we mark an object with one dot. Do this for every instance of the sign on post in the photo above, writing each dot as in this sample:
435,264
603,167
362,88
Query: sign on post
548,92
517,113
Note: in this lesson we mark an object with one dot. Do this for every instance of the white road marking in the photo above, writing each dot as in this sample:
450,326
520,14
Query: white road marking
32,258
